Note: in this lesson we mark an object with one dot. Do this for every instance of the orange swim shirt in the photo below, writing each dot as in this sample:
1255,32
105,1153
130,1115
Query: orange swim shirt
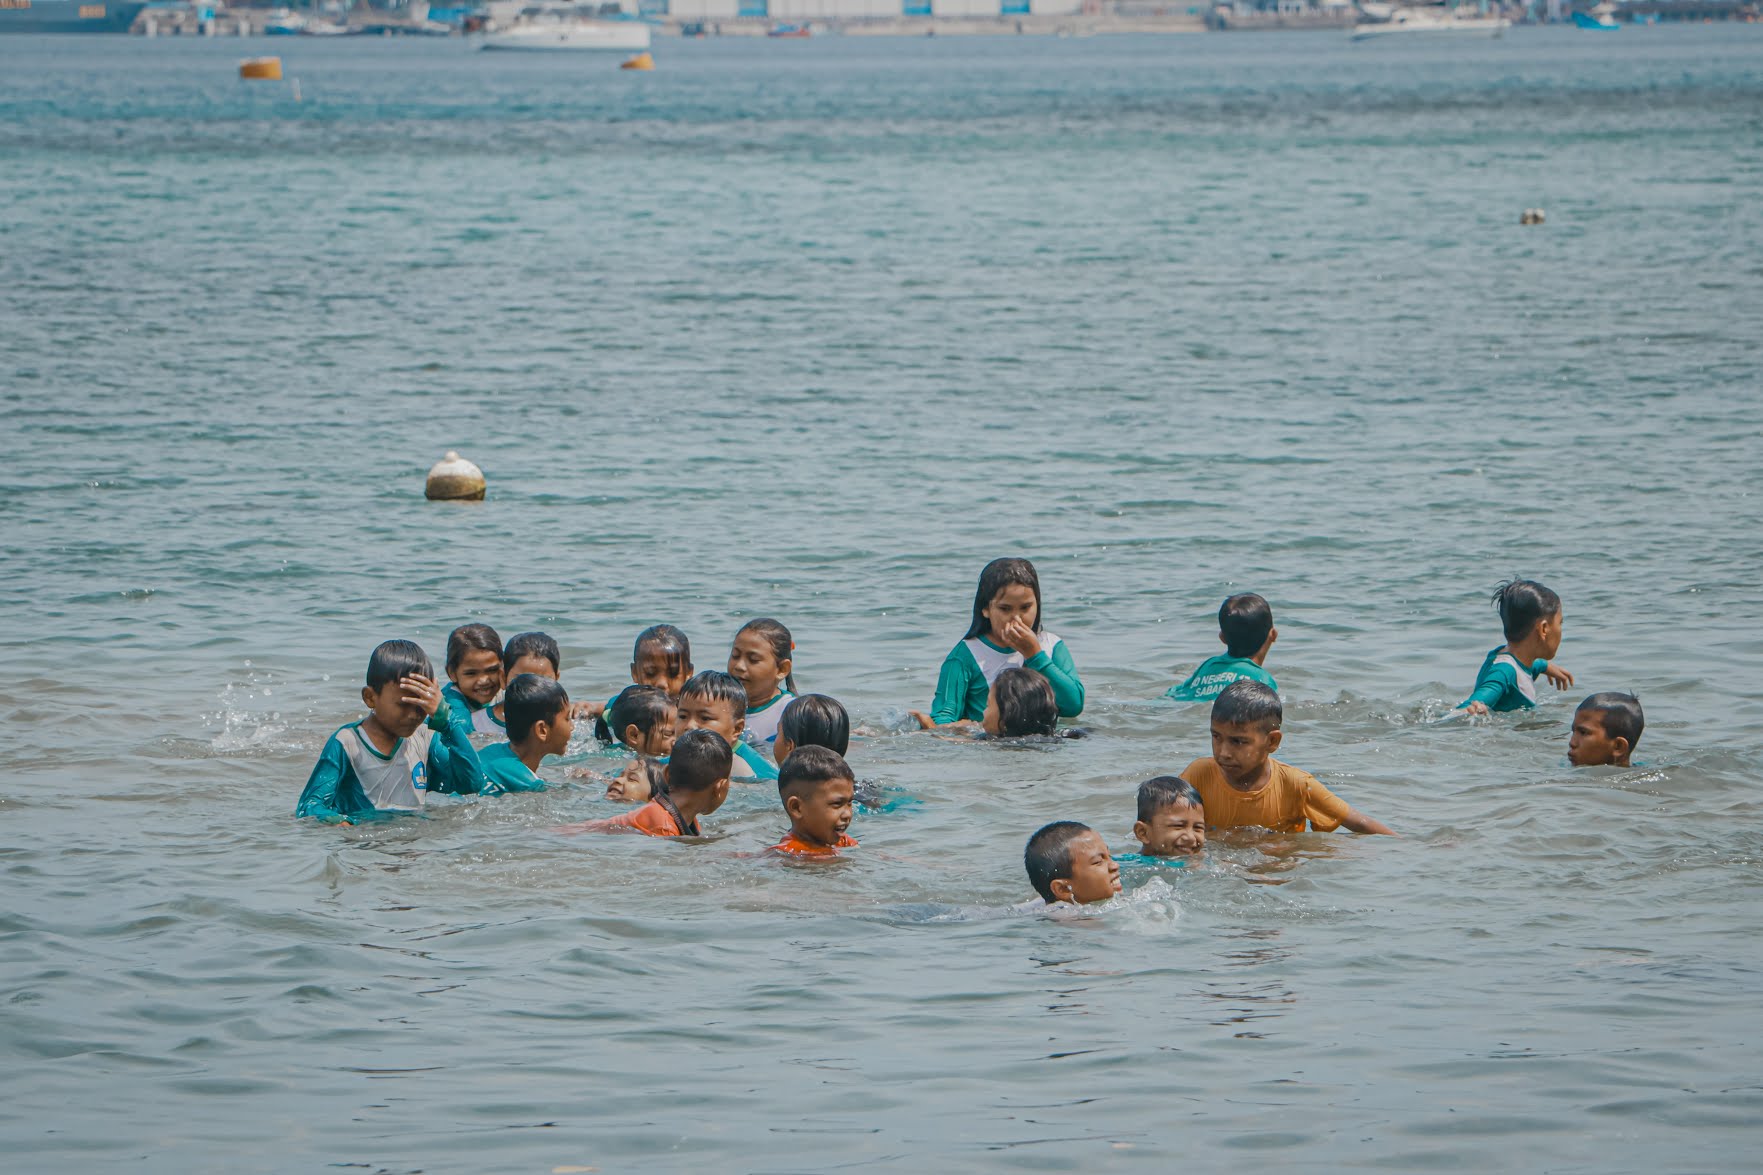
1284,803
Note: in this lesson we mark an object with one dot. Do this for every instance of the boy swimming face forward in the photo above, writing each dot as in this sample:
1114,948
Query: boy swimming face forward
712,701
818,794
1606,728
1172,819
1070,862
531,652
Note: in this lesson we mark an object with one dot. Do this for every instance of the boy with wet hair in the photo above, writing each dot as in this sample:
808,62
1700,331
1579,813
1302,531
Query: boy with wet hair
1020,704
532,652
1530,618
1245,625
1242,785
405,748
1069,862
819,796
1606,728
697,784
714,700
1172,818
539,724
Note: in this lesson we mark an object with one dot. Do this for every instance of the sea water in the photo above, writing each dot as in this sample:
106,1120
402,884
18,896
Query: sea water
814,330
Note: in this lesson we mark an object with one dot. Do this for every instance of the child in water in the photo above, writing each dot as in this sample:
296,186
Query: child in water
1242,785
641,718
661,656
537,712
818,792
1020,703
812,720
643,778
760,659
697,784
1606,728
1245,625
406,746
1069,862
1005,633
1172,819
715,701
1530,615
474,677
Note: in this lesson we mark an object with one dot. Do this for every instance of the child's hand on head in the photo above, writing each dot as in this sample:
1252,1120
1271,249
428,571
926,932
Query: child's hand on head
1018,635
420,691
1559,676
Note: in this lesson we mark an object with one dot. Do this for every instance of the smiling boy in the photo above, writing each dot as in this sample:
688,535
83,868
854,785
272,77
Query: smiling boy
713,700
818,793
1243,785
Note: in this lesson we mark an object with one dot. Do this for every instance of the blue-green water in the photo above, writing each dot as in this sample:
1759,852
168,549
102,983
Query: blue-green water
815,330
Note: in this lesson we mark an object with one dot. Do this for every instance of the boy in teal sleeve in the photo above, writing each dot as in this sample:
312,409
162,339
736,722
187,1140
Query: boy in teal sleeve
537,711
1530,616
1245,625
405,747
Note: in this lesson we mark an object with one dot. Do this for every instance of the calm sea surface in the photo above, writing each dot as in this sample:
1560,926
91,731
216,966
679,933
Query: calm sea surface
815,330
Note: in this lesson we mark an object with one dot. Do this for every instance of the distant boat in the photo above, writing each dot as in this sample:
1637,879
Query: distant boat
1602,18
790,30
571,35
1389,20
67,16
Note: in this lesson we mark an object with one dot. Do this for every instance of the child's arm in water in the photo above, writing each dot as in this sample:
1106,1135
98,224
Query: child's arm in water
1055,665
1357,821
954,681
926,722
319,799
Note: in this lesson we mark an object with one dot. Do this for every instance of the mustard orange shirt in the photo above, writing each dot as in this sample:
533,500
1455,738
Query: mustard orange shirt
654,818
797,847
1284,803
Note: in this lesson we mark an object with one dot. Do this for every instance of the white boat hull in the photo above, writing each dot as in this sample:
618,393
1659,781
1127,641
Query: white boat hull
1432,26
623,37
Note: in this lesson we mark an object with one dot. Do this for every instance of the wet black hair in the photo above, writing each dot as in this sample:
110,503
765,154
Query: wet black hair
998,575
468,637
529,700
783,645
1620,714
1244,621
809,767
1248,702
1166,791
815,720
1048,855
395,660
670,642
531,644
642,706
1521,603
1025,703
718,687
700,759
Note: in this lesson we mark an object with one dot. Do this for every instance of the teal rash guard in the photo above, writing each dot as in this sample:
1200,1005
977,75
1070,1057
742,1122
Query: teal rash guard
476,719
1215,673
504,772
354,780
1506,684
968,671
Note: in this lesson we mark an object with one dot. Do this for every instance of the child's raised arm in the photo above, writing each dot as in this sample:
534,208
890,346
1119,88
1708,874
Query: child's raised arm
452,759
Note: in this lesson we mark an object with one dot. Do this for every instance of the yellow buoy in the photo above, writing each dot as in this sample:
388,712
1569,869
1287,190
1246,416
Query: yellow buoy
640,61
455,478
267,69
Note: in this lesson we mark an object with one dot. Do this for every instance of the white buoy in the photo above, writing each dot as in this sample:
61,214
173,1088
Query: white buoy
455,479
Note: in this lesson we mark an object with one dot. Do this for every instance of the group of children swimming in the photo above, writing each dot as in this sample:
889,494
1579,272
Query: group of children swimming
685,737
